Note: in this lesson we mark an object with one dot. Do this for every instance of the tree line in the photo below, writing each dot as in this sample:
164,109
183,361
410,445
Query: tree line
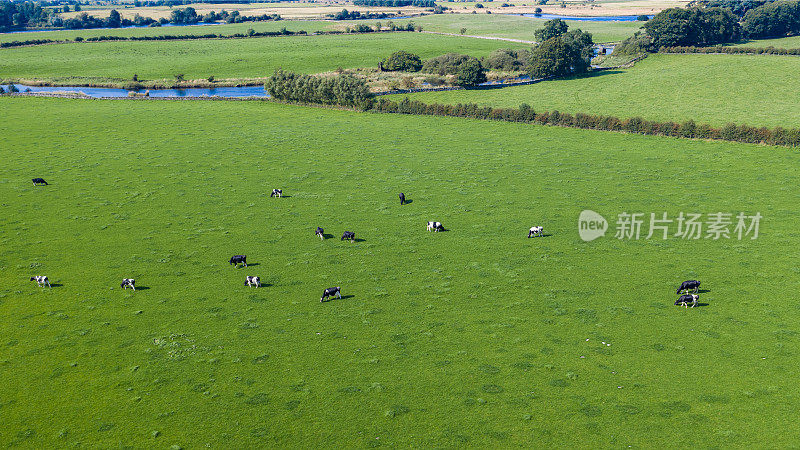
20,15
396,3
733,50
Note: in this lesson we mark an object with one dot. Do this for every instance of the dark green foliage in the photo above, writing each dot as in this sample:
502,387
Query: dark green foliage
16,16
402,61
638,43
693,26
470,74
356,15
643,18
114,19
688,129
448,64
773,20
342,90
503,59
569,53
552,28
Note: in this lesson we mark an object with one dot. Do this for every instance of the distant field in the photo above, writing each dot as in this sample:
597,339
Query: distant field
475,337
518,27
497,25
715,89
232,58
787,42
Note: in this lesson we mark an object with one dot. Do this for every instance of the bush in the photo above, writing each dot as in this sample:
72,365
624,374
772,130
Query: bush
470,74
643,18
502,59
402,61
562,55
343,90
448,64
634,45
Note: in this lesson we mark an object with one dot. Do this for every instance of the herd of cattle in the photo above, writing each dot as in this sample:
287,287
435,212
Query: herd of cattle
254,281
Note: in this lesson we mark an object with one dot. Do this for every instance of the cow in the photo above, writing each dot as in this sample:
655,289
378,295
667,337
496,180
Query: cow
237,259
685,300
348,236
128,283
320,232
38,181
536,231
252,281
402,198
41,280
435,226
688,286
330,292
276,193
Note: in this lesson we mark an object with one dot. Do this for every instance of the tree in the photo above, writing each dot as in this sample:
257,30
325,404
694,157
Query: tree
402,61
693,26
552,28
470,74
775,19
65,8
463,31
114,19
77,6
562,55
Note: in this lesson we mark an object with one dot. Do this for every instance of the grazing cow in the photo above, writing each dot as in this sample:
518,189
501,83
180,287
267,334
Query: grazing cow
252,281
237,259
402,198
128,283
321,233
276,193
435,226
348,236
536,231
685,300
38,181
330,292
688,286
41,280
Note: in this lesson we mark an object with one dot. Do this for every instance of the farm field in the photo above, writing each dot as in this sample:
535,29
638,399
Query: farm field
253,57
787,42
714,89
475,337
517,27
495,25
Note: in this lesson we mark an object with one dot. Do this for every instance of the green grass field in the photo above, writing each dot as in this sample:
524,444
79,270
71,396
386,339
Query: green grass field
787,42
473,337
230,58
517,27
715,89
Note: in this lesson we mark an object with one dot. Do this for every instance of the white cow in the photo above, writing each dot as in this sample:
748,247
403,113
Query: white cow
41,280
536,231
435,226
252,281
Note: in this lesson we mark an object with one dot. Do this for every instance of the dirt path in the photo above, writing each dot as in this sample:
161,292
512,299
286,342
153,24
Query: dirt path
482,37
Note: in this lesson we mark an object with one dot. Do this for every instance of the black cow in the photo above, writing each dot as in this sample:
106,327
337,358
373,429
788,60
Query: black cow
252,281
128,283
402,198
349,236
237,259
688,286
38,181
41,280
320,232
330,292
686,300
276,193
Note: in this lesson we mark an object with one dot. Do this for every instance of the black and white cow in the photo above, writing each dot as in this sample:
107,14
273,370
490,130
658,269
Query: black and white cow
320,232
348,236
128,283
536,231
41,280
688,286
402,198
686,300
435,226
238,259
252,281
330,292
38,181
276,193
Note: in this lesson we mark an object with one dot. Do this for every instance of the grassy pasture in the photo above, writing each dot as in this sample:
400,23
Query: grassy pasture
231,58
787,42
714,89
476,336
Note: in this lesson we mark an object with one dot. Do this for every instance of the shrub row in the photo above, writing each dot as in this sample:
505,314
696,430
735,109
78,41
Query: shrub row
282,32
688,129
733,50
342,90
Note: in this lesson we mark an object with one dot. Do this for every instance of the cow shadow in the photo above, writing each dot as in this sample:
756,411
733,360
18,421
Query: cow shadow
56,284
408,202
140,288
359,240
249,265
544,235
328,236
703,291
263,285
700,304
283,196
344,297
